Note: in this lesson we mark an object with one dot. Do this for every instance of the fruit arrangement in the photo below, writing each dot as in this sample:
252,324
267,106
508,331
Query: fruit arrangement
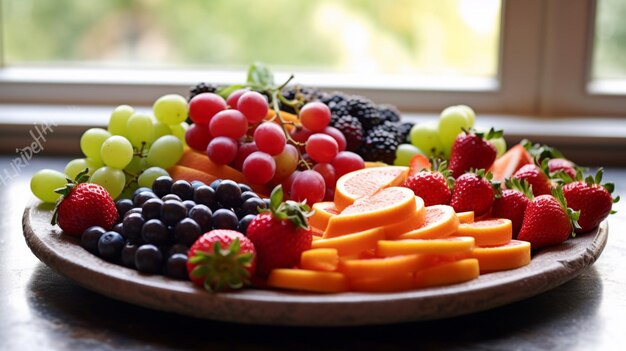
288,187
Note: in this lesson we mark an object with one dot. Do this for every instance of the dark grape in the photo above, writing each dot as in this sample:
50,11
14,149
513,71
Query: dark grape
142,197
171,197
205,195
215,183
154,232
244,187
141,190
247,195
189,204
148,259
118,227
123,206
228,194
183,189
196,184
133,210
203,216
244,223
162,185
225,219
178,248
128,254
252,205
151,209
176,267
173,211
132,226
90,237
187,231
110,246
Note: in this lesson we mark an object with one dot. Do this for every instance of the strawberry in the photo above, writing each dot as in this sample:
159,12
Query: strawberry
547,220
280,234
535,176
432,186
592,199
472,150
221,259
511,203
563,165
419,163
83,205
473,192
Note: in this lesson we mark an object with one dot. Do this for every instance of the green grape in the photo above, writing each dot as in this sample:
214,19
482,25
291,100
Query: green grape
45,182
425,136
117,152
452,122
119,118
165,152
113,180
93,165
404,154
75,166
160,129
469,113
128,192
179,130
147,177
139,130
499,144
91,142
170,109
136,165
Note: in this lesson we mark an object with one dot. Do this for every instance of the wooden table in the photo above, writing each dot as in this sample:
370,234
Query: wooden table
40,309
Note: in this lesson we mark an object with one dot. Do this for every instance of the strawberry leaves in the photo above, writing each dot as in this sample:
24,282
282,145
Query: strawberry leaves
296,212
222,268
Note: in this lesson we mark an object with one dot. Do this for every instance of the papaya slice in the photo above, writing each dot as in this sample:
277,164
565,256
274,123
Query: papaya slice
465,217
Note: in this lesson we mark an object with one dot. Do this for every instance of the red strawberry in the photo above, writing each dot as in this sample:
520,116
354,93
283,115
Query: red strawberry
536,177
221,259
280,234
511,203
547,220
472,150
561,164
473,192
432,186
592,199
83,205
419,163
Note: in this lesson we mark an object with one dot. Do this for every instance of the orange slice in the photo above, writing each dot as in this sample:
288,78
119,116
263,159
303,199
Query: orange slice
514,254
441,221
352,244
366,182
178,172
448,273
465,217
488,232
510,162
415,220
322,213
457,244
325,259
372,211
379,267
307,280
382,284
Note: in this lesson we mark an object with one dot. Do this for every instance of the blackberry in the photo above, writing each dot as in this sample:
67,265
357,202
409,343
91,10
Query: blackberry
334,98
365,111
302,93
202,88
404,130
388,113
338,110
351,129
379,145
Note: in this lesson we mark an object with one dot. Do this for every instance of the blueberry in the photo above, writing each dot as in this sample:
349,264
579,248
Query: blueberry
151,209
142,197
133,210
172,212
205,195
90,237
247,195
110,245
176,267
154,232
195,184
244,223
244,187
252,205
148,259
183,189
119,227
189,204
141,190
203,216
123,206
215,183
225,219
162,185
128,254
132,226
171,197
228,194
187,231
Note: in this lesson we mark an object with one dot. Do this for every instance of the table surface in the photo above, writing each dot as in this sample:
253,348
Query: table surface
40,309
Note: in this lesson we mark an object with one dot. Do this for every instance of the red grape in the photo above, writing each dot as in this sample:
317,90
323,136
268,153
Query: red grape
328,173
286,163
245,149
308,186
204,106
253,105
321,148
259,168
197,136
222,150
337,135
270,138
228,123
287,182
232,99
347,161
301,134
315,116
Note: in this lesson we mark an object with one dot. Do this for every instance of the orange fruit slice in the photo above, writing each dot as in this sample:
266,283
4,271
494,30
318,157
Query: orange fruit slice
352,244
457,244
379,267
382,284
322,213
465,217
488,232
514,254
325,259
307,280
510,162
415,220
372,211
441,221
365,182
448,273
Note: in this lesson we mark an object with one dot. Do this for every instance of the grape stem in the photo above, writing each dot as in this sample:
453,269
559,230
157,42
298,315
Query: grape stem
275,97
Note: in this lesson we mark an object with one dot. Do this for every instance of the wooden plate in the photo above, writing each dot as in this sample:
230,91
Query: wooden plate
548,269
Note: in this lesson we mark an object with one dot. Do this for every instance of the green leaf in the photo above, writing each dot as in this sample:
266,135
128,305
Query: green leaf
276,198
259,74
226,91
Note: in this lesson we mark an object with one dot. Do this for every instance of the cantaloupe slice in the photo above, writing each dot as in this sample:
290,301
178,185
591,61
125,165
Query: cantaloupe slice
449,245
352,244
488,232
441,221
514,254
366,182
307,280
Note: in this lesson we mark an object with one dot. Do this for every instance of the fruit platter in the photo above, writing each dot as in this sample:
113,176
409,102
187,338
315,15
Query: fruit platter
280,204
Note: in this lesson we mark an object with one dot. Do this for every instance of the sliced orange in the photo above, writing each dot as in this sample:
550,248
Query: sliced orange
379,267
465,217
514,254
488,232
325,259
352,244
448,273
382,284
307,280
441,221
457,244
366,182
372,211
178,172
414,221
510,162
322,211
